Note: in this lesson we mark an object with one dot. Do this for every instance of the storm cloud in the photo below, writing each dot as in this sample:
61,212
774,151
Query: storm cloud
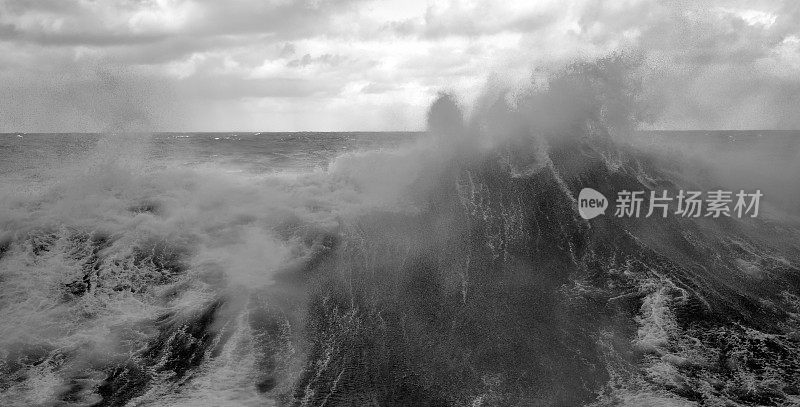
183,65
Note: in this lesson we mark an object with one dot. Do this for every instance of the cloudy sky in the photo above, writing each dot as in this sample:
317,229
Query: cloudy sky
203,65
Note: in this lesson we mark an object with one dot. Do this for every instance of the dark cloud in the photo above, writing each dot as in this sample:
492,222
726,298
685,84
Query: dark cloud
114,23
92,65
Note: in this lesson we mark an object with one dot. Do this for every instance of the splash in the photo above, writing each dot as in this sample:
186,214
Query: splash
452,270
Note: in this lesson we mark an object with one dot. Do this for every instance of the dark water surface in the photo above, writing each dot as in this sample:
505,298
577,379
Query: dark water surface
392,269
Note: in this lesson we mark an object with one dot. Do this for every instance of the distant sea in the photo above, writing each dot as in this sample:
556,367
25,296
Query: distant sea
32,154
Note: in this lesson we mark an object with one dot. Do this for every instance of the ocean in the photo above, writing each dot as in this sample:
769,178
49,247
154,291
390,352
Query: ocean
392,269
31,156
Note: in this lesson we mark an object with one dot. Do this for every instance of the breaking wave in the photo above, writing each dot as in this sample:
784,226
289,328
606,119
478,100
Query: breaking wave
454,270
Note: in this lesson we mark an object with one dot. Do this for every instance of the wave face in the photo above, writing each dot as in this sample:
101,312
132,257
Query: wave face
498,293
444,269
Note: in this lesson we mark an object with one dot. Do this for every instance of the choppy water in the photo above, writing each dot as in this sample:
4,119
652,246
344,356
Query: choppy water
32,157
386,269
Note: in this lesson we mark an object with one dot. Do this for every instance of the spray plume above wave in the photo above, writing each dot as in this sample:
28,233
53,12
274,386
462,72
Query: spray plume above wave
453,269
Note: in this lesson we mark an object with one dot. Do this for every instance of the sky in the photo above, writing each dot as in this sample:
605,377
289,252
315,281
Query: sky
344,65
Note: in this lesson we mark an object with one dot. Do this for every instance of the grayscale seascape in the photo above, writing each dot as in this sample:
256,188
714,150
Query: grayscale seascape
475,204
